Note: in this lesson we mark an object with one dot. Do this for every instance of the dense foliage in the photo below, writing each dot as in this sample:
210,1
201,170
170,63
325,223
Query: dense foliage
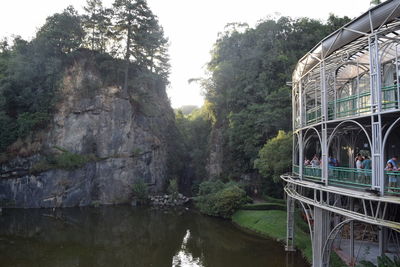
218,199
194,131
63,160
31,71
173,189
275,157
247,91
140,191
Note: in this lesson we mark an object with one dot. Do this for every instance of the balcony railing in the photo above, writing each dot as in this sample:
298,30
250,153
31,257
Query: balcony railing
351,178
391,189
353,105
313,115
389,97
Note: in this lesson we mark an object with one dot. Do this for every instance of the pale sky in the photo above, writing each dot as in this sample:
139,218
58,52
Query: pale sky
192,27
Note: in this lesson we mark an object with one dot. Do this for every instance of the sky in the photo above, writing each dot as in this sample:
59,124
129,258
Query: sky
192,27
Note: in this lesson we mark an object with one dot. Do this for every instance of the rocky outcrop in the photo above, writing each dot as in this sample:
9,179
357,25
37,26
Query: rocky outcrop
125,132
169,200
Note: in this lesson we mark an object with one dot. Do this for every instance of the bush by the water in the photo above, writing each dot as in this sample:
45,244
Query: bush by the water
140,190
173,188
218,199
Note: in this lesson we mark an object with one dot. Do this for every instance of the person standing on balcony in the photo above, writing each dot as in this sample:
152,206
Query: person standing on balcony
392,179
393,160
366,166
315,162
359,162
332,162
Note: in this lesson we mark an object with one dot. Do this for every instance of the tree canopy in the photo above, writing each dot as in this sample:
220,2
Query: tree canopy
247,90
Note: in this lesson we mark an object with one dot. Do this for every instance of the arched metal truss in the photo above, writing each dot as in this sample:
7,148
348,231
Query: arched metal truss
387,134
349,121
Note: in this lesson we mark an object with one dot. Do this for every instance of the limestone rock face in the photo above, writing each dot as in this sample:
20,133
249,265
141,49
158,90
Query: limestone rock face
126,131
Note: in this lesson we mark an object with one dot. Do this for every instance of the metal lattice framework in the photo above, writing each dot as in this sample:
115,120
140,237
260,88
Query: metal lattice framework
345,101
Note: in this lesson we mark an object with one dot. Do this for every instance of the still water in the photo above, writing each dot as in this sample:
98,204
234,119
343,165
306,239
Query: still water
126,236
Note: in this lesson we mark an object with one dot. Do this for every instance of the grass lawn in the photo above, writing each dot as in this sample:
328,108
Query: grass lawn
272,223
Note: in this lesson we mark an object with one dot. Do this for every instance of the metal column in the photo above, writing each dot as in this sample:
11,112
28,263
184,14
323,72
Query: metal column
290,225
376,107
324,114
321,231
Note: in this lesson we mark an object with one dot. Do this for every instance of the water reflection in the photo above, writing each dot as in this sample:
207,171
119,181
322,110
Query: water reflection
124,236
184,257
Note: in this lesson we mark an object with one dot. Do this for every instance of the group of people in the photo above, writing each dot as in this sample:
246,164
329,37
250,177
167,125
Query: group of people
315,162
361,163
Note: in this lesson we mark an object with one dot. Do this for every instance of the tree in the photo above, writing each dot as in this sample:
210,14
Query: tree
275,158
152,47
62,32
129,16
30,74
97,24
246,89
144,40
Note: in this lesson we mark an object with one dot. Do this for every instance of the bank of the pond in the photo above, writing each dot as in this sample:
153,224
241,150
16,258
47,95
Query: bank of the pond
272,224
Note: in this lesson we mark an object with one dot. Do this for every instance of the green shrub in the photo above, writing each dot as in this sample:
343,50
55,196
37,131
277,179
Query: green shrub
173,188
210,187
218,199
136,152
66,160
27,122
140,190
70,161
41,166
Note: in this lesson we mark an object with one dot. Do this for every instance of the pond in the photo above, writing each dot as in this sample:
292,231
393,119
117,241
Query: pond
126,236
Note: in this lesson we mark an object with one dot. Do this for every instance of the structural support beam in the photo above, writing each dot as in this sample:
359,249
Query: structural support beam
290,225
376,108
321,231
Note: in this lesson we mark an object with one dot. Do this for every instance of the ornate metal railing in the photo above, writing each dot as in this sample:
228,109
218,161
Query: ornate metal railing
313,115
394,187
350,178
354,105
389,97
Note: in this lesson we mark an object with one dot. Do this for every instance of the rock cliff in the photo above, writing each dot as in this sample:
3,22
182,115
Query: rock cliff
127,132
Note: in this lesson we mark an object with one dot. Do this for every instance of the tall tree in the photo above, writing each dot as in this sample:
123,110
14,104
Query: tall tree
97,24
129,15
151,47
144,40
